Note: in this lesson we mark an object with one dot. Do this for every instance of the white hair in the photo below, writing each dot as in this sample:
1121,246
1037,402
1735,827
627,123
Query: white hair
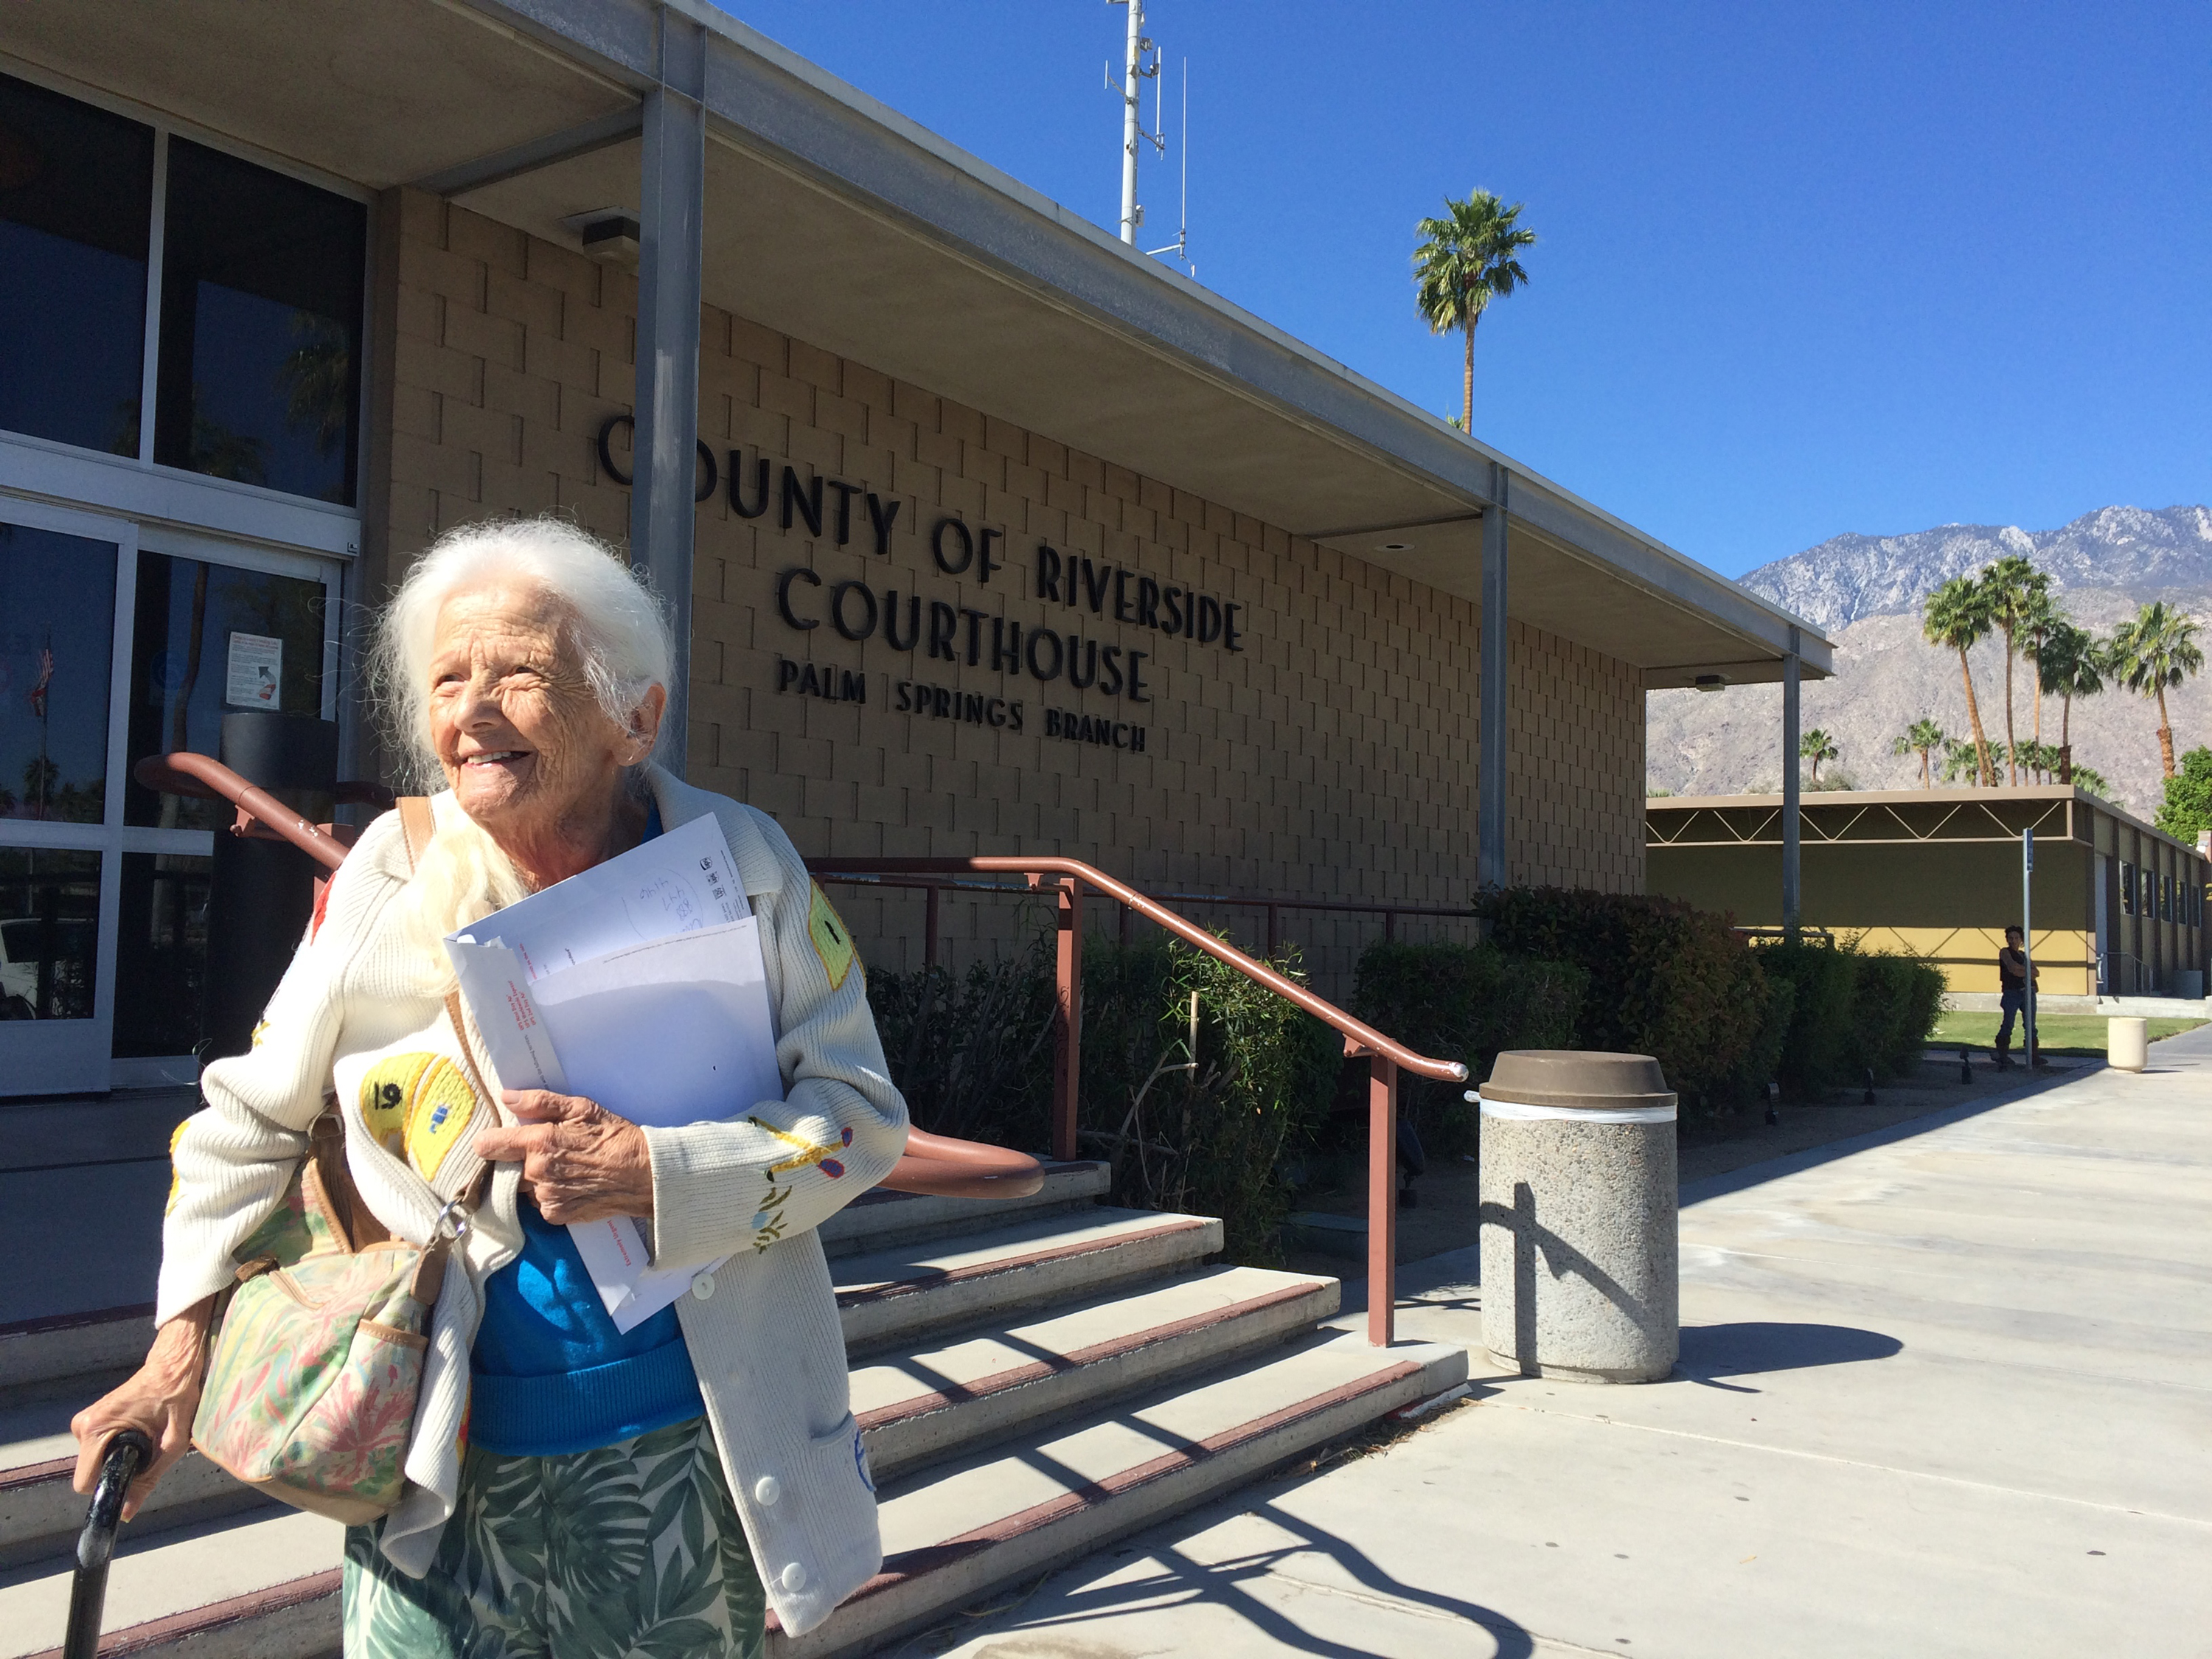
620,628
617,627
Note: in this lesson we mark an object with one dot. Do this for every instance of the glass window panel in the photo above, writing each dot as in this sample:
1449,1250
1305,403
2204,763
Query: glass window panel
197,622
49,933
76,189
57,631
160,953
261,301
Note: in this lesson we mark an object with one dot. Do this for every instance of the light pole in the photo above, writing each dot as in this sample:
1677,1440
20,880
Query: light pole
2027,938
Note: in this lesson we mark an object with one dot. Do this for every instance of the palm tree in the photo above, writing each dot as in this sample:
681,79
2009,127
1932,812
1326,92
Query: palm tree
2088,778
2016,590
1956,614
1816,745
1924,737
2156,650
1962,761
1466,260
2070,663
2041,617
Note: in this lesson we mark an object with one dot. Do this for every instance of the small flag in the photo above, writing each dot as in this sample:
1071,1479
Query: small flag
45,678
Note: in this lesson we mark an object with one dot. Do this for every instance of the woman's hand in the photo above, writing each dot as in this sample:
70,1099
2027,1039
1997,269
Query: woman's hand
583,1162
160,1401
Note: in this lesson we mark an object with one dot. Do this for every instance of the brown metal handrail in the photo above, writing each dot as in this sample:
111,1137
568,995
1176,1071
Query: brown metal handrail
1385,1057
938,1165
1273,907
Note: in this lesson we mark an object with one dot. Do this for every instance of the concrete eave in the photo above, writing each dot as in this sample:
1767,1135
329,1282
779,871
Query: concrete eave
836,220
1825,801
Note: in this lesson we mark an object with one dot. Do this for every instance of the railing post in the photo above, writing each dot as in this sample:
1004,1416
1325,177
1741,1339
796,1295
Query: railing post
1067,1021
1381,1199
929,927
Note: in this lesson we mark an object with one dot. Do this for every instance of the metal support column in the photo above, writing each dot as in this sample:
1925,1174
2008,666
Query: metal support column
1789,723
1495,674
670,209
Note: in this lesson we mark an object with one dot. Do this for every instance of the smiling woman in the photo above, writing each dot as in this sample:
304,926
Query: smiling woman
525,668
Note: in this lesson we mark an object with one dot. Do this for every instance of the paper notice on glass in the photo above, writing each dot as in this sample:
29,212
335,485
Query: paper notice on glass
254,673
675,883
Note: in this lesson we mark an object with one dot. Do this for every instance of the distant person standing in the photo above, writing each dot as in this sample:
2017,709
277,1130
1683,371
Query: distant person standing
2013,975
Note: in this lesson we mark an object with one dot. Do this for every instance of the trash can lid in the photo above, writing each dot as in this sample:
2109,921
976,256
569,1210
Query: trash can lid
1573,1077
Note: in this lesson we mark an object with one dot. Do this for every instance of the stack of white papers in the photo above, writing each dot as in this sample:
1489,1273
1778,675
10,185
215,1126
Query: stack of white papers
638,984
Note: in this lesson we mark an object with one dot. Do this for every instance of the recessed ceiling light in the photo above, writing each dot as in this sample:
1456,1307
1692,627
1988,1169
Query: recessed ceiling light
1397,547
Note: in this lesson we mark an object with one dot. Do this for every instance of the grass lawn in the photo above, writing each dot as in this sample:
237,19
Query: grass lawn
2061,1034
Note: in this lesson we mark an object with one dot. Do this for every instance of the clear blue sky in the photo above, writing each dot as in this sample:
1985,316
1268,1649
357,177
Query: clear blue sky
1805,269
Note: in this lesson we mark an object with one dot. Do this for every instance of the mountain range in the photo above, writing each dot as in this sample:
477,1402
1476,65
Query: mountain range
1864,593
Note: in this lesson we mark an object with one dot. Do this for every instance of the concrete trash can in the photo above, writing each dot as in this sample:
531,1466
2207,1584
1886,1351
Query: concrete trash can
2127,1046
2189,984
1580,1252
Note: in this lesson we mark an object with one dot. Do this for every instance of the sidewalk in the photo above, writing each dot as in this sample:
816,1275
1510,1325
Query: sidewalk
1946,1390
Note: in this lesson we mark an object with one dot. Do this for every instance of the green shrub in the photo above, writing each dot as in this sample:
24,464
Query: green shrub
1663,979
1463,1002
1895,1004
1209,1138
1817,1050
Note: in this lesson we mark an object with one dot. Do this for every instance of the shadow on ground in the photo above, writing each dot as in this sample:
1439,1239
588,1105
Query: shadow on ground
1755,1347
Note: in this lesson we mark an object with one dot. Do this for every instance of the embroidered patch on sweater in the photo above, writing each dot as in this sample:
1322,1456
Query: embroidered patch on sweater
831,942
417,1107
767,1220
176,1176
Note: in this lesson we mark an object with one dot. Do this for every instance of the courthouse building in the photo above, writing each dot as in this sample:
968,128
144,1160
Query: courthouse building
986,533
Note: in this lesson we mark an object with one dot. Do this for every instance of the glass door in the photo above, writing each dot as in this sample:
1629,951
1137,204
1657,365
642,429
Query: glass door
65,581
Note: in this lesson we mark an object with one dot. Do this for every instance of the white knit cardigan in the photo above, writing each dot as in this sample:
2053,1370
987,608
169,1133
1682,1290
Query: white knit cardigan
762,1330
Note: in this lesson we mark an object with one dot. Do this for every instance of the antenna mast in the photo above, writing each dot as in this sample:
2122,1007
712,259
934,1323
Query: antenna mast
1135,72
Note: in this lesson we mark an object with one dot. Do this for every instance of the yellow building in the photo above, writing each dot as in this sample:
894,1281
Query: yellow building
2117,907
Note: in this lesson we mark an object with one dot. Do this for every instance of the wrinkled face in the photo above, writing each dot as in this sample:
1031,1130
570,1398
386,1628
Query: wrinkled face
523,740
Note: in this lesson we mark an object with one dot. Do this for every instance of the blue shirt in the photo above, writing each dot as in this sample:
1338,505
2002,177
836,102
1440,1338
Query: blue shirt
549,1373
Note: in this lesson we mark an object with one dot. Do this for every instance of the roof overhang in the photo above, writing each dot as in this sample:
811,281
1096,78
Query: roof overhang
834,218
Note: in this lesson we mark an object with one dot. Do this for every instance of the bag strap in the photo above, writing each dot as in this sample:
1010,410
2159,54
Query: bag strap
469,1176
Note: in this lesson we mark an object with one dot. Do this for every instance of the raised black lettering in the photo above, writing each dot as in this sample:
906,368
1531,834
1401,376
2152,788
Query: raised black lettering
851,687
1109,670
798,573
607,448
1044,636
904,688
1005,646
786,672
975,620
809,682
995,711
940,701
912,622
1171,601
960,534
985,564
881,514
806,503
1148,602
1136,678
1120,735
1048,572
845,494
971,708
1229,626
944,623
1190,614
837,597
1209,619
1096,590
702,489
1136,739
1014,712
1089,678
737,488
1122,611
1052,722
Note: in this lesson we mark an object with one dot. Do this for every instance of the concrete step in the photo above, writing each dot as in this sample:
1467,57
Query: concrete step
880,1219
41,1515
932,1400
957,1532
49,1358
888,1297
265,1588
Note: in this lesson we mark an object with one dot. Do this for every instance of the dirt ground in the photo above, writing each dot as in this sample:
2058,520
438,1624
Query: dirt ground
1443,1217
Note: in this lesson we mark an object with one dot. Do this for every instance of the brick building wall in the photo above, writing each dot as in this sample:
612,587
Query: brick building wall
1331,756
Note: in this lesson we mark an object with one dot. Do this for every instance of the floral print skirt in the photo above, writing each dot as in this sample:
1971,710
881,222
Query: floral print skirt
632,1549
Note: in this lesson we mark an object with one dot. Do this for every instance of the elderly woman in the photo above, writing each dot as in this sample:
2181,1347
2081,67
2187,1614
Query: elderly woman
573,1490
